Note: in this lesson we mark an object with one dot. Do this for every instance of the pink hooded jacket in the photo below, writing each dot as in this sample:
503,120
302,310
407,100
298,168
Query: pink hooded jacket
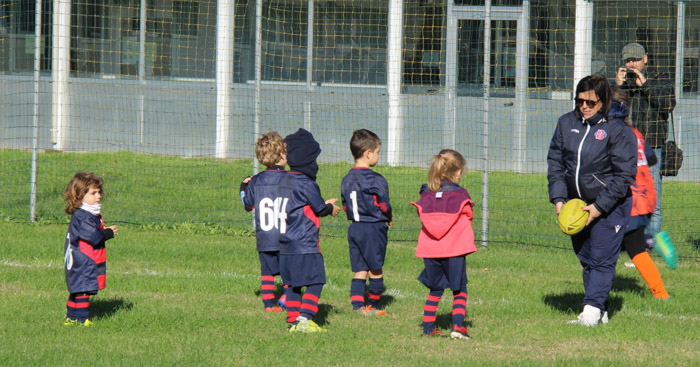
447,223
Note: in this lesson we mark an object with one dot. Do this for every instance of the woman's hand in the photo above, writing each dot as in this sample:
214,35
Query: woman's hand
593,213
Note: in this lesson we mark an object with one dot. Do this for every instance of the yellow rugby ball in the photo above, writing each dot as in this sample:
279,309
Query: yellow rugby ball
572,219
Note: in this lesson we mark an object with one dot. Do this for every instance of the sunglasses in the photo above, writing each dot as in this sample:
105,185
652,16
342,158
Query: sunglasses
633,59
588,102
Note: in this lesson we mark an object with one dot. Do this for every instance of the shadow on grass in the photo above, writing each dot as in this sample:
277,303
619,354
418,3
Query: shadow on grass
571,302
444,322
105,308
624,283
695,243
324,310
385,301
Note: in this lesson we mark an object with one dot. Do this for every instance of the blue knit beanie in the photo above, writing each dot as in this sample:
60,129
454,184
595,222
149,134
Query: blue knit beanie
302,151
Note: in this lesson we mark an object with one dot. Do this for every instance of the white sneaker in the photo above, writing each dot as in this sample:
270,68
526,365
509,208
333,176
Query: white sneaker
591,316
604,318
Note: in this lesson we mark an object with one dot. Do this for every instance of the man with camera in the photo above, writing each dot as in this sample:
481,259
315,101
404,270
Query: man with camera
653,99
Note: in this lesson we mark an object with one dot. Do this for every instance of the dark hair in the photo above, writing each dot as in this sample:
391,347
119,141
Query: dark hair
77,188
621,95
598,84
361,141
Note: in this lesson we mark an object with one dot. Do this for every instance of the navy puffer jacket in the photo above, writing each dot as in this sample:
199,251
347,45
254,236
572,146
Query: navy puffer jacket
594,160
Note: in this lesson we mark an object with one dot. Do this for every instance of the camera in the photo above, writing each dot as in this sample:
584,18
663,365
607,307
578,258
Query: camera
631,76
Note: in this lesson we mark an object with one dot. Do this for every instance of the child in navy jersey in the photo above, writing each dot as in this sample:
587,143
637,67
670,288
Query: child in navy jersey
365,196
260,192
445,210
84,248
301,262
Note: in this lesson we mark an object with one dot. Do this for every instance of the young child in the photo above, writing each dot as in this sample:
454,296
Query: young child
301,262
365,197
643,204
84,249
445,210
260,192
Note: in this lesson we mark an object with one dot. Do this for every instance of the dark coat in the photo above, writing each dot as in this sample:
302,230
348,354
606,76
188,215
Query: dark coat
651,105
594,160
85,257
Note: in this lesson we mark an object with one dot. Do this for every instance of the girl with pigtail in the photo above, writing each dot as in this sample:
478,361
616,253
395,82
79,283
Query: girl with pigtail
445,210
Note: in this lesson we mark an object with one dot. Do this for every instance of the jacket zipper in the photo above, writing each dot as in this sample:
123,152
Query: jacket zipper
578,159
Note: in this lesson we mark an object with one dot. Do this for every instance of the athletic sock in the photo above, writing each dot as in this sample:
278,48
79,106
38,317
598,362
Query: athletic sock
430,310
646,267
309,302
78,307
70,308
376,286
459,309
357,293
267,290
293,303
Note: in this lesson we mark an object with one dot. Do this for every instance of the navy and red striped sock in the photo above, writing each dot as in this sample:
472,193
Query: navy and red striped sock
376,286
309,302
78,307
459,309
430,311
293,303
357,293
267,290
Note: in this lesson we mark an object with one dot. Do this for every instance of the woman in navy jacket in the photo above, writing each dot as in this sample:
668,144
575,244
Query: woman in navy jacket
594,158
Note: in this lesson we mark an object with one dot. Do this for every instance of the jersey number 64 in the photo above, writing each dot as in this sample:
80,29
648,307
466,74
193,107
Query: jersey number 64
273,214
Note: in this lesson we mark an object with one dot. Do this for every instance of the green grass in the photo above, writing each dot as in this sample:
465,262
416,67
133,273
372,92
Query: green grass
183,277
181,296
201,194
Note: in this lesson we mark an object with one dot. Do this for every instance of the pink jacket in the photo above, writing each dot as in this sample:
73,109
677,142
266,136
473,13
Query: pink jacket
447,223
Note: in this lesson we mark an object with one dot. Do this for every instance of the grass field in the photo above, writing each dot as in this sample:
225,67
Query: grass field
183,278
179,298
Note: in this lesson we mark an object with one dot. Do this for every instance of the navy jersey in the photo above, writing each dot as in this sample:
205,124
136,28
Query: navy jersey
365,196
85,260
262,194
299,224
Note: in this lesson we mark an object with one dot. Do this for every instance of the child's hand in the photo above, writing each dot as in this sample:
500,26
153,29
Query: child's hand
336,209
114,229
391,224
247,179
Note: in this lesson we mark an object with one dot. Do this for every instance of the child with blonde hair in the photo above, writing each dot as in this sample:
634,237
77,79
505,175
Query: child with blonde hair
261,193
84,249
445,210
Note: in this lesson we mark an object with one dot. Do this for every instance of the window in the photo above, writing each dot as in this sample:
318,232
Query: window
185,18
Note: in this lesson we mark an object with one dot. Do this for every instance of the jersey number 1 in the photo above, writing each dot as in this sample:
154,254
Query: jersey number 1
273,214
355,213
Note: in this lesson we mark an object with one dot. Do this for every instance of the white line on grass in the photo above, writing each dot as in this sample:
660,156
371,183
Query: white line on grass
330,285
